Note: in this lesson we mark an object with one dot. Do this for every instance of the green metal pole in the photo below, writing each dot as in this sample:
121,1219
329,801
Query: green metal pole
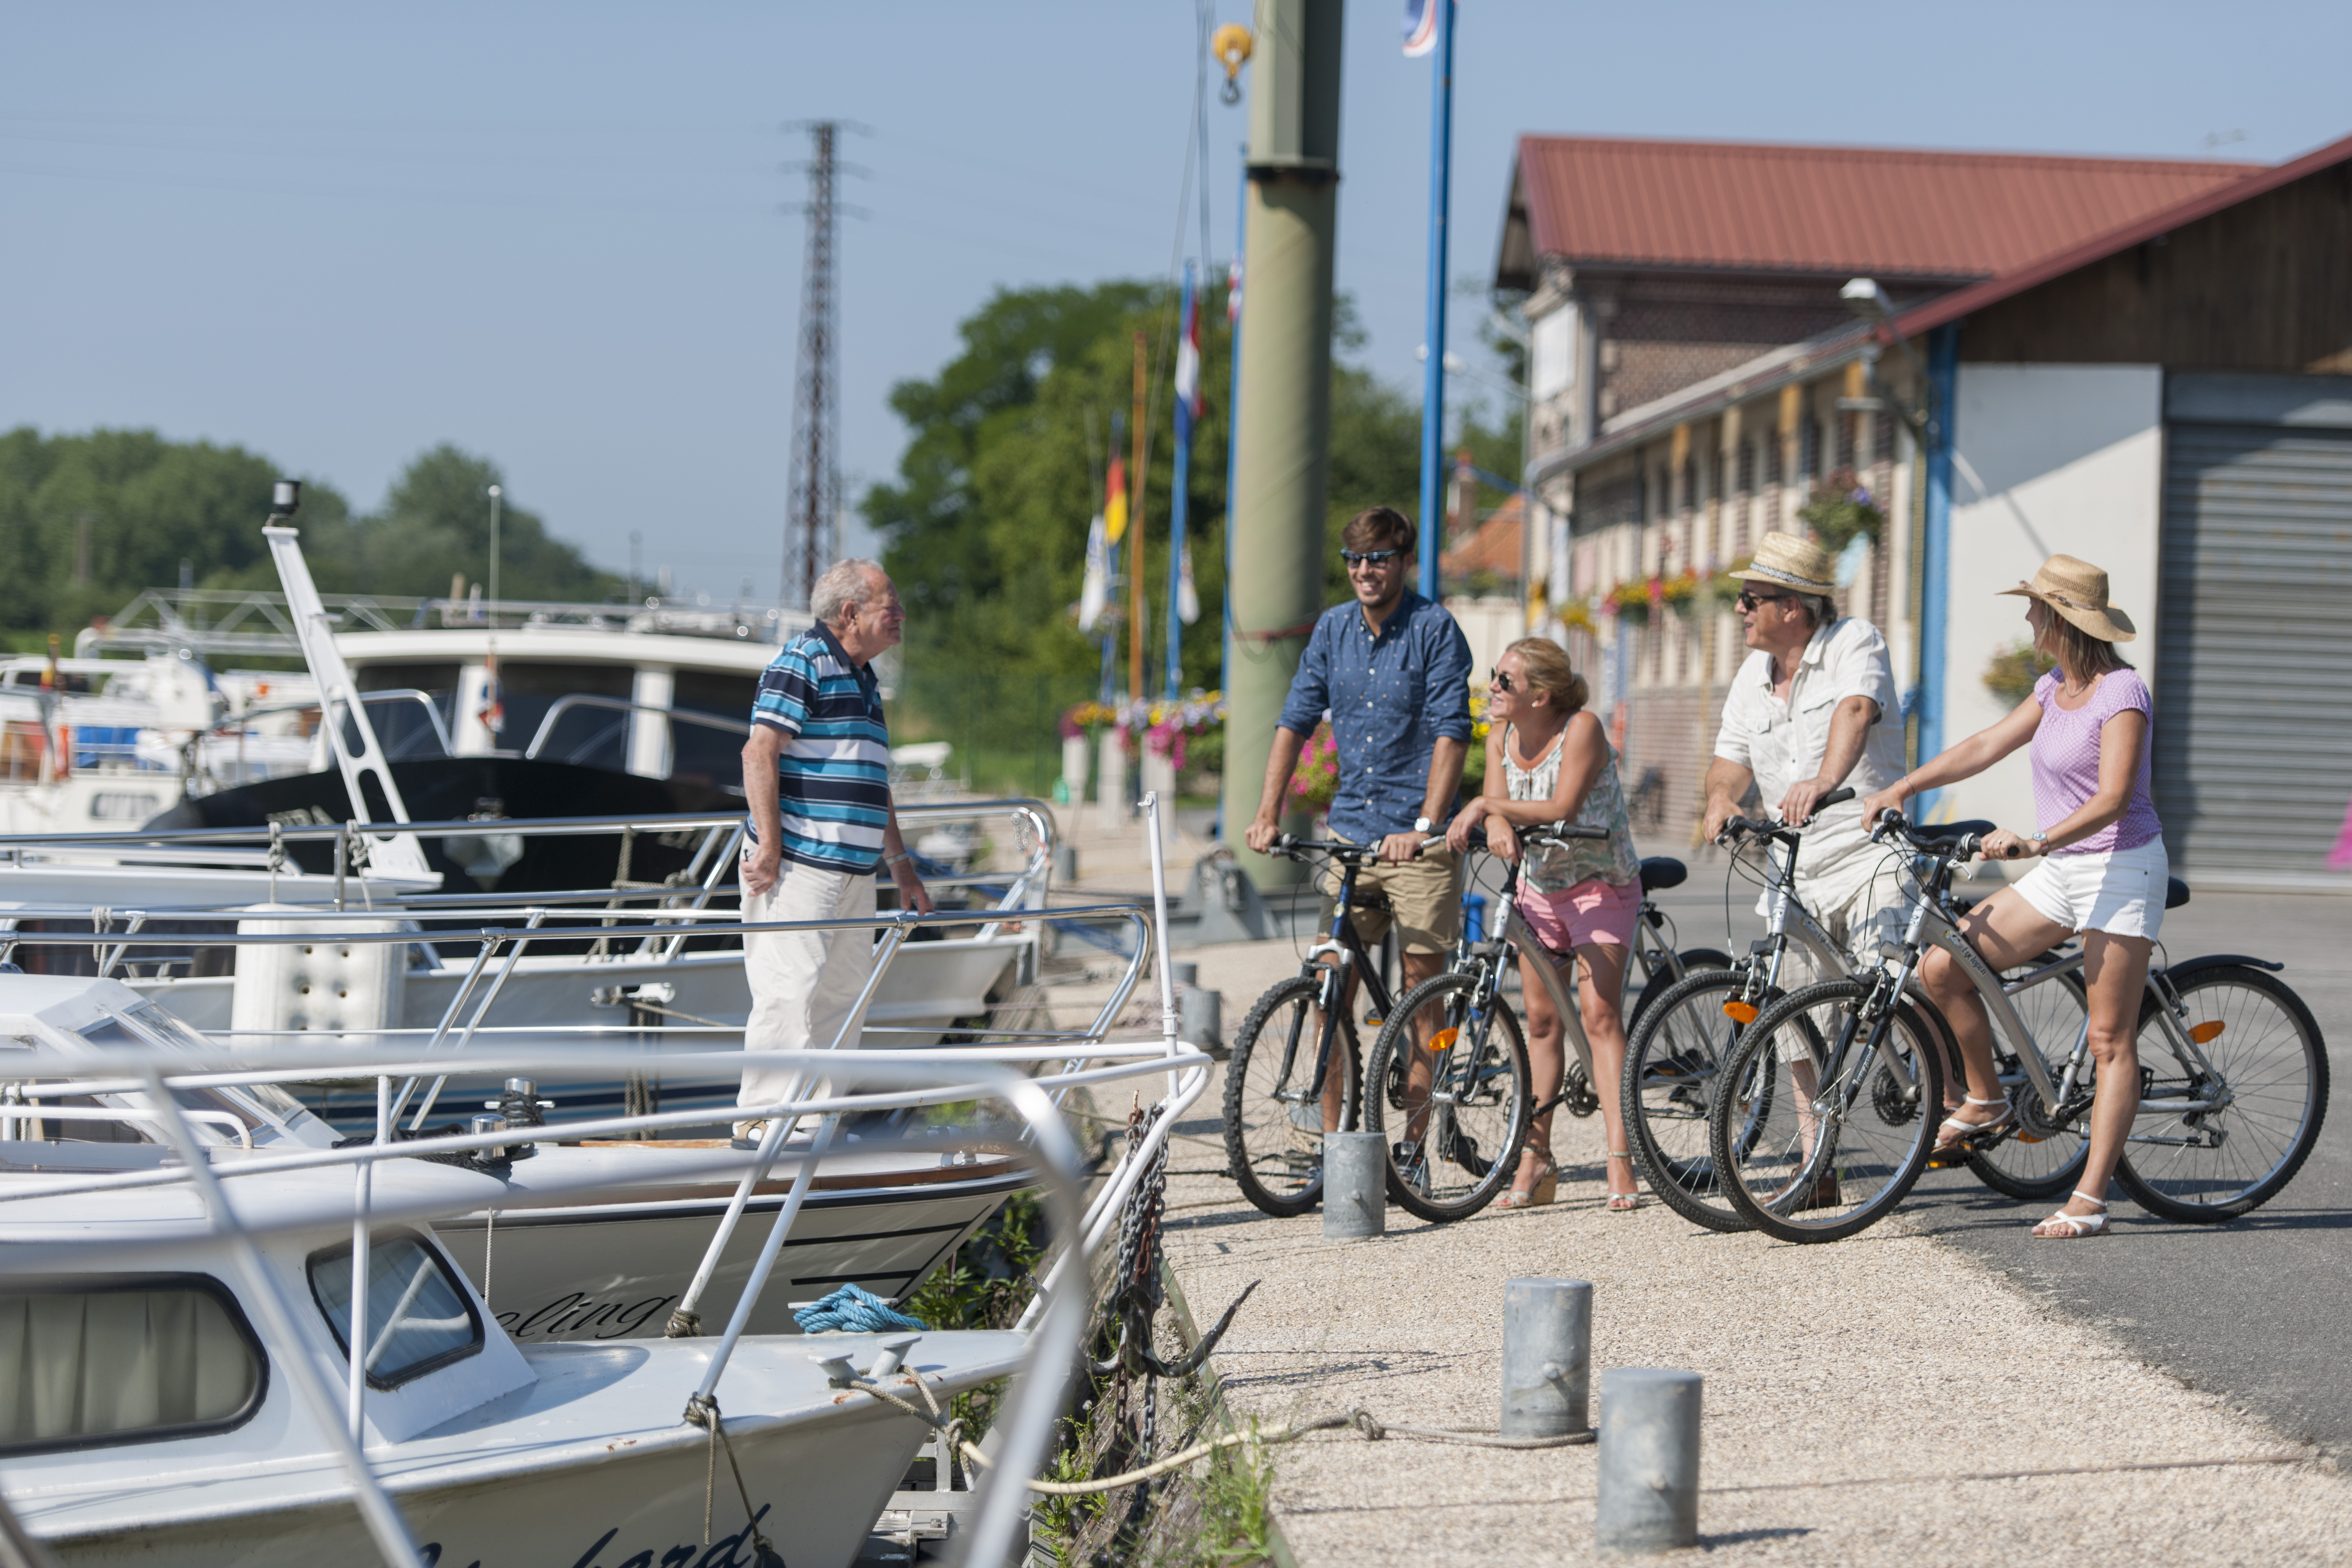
1281,454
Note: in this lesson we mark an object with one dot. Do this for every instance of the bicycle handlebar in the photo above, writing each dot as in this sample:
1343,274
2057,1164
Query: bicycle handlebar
1741,827
1956,848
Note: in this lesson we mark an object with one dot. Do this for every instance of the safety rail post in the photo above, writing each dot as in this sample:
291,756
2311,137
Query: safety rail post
474,1023
363,1251
393,1540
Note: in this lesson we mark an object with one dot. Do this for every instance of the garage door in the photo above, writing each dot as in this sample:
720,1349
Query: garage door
2253,734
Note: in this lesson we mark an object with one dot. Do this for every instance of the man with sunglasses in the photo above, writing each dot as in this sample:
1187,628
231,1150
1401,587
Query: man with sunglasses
1393,669
1812,709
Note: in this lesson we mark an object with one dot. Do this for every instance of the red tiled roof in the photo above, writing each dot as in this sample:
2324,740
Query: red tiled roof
1886,212
1492,546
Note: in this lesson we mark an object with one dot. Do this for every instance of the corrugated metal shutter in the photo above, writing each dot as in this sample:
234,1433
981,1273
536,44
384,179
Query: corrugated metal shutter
2253,731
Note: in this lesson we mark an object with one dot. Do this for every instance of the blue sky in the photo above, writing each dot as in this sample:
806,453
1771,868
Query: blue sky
552,233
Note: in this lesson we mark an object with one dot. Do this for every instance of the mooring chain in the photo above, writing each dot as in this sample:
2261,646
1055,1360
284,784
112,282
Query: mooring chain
1136,1294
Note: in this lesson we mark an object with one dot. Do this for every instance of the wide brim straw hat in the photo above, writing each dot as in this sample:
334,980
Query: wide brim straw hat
2078,591
1791,563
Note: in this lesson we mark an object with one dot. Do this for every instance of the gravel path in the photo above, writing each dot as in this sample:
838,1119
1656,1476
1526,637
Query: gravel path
1868,1402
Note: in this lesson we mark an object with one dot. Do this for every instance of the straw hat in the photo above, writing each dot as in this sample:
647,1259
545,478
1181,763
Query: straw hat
2078,591
1792,563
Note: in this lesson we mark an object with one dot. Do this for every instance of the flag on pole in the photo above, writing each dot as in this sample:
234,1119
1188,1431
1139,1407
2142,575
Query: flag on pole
1114,501
1188,597
1187,367
1094,594
1234,280
1420,27
493,711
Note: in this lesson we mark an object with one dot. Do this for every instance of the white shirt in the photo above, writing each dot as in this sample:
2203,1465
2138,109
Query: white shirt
1781,742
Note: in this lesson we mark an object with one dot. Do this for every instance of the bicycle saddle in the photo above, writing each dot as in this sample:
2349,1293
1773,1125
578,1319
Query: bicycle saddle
1662,871
2176,892
1976,824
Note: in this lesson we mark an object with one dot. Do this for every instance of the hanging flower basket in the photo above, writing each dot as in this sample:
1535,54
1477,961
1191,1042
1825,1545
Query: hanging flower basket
1841,509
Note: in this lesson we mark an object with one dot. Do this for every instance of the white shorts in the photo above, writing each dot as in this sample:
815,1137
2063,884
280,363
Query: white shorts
2119,891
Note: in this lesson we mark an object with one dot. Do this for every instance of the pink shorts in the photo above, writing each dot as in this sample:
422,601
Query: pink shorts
1593,911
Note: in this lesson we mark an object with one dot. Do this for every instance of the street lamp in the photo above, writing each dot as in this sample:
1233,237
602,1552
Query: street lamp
494,493
1868,300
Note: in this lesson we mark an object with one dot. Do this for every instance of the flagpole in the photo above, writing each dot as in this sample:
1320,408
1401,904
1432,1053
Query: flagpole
1233,423
1135,537
1176,506
1432,380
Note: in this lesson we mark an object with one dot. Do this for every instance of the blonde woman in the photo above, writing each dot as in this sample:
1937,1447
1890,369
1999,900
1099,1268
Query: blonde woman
2102,873
1548,762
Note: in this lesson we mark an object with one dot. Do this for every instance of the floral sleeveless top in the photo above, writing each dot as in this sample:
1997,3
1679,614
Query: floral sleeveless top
1555,868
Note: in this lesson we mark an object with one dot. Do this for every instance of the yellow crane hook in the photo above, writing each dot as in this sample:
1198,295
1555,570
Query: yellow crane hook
1231,45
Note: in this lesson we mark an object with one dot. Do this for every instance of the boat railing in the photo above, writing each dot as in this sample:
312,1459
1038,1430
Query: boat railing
843,1085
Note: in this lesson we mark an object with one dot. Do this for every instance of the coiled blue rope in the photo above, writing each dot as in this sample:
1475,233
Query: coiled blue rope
859,1311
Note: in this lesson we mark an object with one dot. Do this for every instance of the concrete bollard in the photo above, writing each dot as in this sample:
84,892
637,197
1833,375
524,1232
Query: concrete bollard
1199,1015
1649,1460
1546,1357
1066,864
1355,1186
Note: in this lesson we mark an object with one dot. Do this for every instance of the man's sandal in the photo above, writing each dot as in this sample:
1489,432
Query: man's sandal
1954,1133
2078,1225
1622,1203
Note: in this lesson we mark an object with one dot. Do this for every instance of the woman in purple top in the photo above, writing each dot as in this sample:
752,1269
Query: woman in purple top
2103,872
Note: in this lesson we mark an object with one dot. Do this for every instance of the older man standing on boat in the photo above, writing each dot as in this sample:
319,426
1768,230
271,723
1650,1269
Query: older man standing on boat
817,774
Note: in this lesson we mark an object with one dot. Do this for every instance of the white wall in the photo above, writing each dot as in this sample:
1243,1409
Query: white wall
2070,461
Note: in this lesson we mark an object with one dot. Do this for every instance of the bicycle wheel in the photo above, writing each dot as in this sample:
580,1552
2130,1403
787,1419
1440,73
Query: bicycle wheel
1829,1114
1672,1064
1274,1140
2038,1159
2267,1092
1456,1140
1654,991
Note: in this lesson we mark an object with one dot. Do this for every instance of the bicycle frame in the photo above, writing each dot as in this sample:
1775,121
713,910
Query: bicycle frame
1342,945
1929,927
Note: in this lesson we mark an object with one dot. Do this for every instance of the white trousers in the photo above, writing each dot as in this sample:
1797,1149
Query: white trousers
804,983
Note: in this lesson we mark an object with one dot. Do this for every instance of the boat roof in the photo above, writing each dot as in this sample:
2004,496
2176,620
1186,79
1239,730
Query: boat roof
568,644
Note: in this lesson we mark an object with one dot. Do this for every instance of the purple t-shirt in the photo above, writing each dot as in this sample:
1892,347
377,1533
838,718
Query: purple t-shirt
2066,760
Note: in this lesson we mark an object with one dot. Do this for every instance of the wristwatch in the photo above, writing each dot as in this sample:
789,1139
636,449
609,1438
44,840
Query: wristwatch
1423,824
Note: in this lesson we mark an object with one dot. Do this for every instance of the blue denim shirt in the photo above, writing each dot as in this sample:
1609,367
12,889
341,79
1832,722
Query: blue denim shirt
1389,697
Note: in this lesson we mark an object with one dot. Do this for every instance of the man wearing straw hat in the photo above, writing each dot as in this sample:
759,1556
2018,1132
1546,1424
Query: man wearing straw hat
1812,709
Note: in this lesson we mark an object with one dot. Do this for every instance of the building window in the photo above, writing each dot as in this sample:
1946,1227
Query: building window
1552,342
1809,450
1847,439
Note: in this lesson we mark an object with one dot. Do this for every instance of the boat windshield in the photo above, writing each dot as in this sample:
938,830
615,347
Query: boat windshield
417,1316
256,1107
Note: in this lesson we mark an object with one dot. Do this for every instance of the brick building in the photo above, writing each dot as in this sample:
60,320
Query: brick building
1695,373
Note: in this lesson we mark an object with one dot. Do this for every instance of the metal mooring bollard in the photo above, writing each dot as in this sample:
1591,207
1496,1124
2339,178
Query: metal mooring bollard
1649,1460
1546,1357
1199,1015
1066,864
1355,1190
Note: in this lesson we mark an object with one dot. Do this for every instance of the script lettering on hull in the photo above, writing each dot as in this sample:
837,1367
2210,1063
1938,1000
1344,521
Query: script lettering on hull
577,1314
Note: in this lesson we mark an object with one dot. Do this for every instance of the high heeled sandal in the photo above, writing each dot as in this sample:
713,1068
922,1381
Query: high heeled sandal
1545,1189
2079,1226
1954,1133
1621,1203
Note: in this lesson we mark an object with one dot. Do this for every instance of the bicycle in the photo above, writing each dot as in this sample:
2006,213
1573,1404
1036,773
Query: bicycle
1675,1055
1473,1114
1273,1126
2219,1131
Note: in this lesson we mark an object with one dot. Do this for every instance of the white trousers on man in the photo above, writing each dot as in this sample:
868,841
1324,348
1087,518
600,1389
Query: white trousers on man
1857,901
804,983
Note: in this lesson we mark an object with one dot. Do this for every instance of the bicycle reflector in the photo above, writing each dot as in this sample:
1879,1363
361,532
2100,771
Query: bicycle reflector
1442,1040
1740,1012
2205,1034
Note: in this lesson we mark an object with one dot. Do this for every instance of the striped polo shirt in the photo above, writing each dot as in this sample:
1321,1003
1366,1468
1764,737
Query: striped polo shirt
834,784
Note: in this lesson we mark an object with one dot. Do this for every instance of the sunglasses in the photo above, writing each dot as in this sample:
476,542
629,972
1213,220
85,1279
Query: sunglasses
1369,557
1748,601
1500,678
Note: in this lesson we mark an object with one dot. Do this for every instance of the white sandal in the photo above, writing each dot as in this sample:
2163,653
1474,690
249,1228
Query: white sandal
2078,1225
1954,1133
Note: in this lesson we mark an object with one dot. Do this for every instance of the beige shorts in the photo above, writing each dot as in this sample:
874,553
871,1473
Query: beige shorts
1424,901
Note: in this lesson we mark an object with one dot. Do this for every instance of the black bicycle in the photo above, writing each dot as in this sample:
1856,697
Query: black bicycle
1289,1081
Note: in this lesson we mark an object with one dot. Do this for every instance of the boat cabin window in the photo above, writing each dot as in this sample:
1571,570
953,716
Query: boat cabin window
402,726
130,1358
590,734
705,753
229,1114
73,683
418,1317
